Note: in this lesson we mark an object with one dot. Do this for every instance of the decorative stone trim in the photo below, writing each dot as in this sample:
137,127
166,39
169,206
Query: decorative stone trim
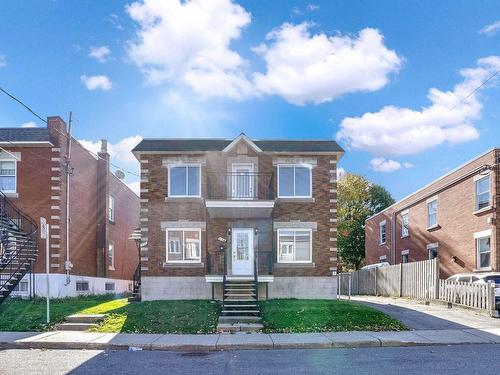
333,229
55,188
56,149
143,200
55,197
183,224
295,160
57,255
55,246
144,161
55,178
333,239
55,217
333,249
144,268
55,265
176,160
144,229
333,220
55,159
295,224
55,236
144,219
55,169
55,207
144,259
54,227
144,190
144,210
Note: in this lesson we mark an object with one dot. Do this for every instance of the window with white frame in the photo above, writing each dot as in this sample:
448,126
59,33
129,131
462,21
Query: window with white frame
432,207
184,181
483,247
111,209
294,245
8,170
183,245
482,192
82,286
405,256
294,181
111,256
405,224
432,250
382,233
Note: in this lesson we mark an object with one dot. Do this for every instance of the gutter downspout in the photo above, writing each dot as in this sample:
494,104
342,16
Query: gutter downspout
393,237
68,264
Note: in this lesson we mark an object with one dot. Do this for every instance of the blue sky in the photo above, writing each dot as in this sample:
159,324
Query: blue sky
385,78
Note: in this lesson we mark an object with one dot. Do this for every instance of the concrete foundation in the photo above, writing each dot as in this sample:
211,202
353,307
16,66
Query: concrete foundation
160,287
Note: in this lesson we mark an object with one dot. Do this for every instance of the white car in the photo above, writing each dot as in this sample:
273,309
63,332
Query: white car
481,278
376,265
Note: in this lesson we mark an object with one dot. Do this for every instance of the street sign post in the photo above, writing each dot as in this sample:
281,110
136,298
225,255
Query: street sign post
44,234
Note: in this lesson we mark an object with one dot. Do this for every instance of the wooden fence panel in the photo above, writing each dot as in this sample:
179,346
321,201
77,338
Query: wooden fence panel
475,295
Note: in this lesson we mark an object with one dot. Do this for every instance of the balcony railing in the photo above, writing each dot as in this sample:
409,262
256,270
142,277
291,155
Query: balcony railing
240,186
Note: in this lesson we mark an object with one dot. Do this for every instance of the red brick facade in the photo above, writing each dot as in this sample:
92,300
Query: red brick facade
41,192
157,207
458,219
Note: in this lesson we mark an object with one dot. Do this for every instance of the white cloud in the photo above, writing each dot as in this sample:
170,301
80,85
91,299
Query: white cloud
340,173
30,124
312,7
490,30
304,67
388,165
3,61
119,152
101,54
448,119
96,82
188,42
135,186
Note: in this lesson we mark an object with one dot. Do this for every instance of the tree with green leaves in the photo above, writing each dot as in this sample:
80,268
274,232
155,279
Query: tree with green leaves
358,199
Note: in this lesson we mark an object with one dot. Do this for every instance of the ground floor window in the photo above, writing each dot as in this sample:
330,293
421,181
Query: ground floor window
183,245
82,286
294,245
483,252
432,251
405,256
111,256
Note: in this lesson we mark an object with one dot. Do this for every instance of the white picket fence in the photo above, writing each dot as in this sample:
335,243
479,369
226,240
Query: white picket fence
417,280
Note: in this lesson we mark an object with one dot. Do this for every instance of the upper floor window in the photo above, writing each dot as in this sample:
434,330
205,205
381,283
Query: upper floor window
482,192
294,245
382,233
294,181
183,245
432,207
405,225
8,176
184,181
111,209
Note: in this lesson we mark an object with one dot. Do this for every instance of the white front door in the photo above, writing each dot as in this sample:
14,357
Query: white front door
242,181
242,251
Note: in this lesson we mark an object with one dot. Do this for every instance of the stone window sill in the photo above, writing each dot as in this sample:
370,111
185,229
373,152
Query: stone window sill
183,265
295,200
484,269
433,227
183,199
295,265
483,210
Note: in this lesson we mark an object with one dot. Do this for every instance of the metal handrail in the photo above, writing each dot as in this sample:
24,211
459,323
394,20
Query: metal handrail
240,185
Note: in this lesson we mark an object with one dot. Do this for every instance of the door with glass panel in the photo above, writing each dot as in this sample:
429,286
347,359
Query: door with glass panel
242,181
242,251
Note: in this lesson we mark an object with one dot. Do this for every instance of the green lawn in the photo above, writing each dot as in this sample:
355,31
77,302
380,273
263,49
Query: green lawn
198,316
292,315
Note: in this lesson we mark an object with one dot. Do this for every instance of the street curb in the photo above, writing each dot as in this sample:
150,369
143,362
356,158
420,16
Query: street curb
270,345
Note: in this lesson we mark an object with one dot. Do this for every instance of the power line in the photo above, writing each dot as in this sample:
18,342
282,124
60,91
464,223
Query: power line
476,89
63,134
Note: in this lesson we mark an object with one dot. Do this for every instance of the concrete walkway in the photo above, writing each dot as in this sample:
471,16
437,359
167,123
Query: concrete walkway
194,343
418,316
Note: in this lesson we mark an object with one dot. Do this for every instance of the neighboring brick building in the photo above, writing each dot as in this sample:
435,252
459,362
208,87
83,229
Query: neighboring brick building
33,177
274,202
454,218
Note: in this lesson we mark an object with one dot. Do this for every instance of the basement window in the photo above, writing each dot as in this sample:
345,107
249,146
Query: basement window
109,287
82,286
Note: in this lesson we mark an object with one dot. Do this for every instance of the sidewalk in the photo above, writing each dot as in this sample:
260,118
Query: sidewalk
193,343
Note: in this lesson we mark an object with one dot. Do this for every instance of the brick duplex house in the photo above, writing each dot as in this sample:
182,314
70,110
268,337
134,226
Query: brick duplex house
90,253
268,207
454,218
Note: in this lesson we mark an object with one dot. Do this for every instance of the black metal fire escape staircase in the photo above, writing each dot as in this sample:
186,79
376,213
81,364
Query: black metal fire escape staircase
18,246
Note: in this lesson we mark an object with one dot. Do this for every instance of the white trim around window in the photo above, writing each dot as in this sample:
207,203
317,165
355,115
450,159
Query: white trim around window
483,248
290,256
294,166
186,194
381,233
12,160
405,254
482,196
405,224
111,209
432,249
432,212
178,247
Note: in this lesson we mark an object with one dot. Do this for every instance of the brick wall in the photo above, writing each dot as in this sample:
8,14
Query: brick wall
456,219
155,208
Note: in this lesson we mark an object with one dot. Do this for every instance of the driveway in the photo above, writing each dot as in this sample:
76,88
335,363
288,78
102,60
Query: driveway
420,316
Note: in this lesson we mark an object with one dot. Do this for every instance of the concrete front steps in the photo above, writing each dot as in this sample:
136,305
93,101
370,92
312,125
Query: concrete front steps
80,322
240,307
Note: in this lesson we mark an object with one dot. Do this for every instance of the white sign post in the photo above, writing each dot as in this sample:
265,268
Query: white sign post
44,234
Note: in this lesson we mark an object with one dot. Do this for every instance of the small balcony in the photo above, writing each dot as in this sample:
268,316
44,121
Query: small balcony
240,195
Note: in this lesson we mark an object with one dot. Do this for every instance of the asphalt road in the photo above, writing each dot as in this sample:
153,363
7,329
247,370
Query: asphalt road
462,359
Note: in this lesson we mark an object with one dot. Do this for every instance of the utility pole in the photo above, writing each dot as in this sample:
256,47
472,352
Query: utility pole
67,264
